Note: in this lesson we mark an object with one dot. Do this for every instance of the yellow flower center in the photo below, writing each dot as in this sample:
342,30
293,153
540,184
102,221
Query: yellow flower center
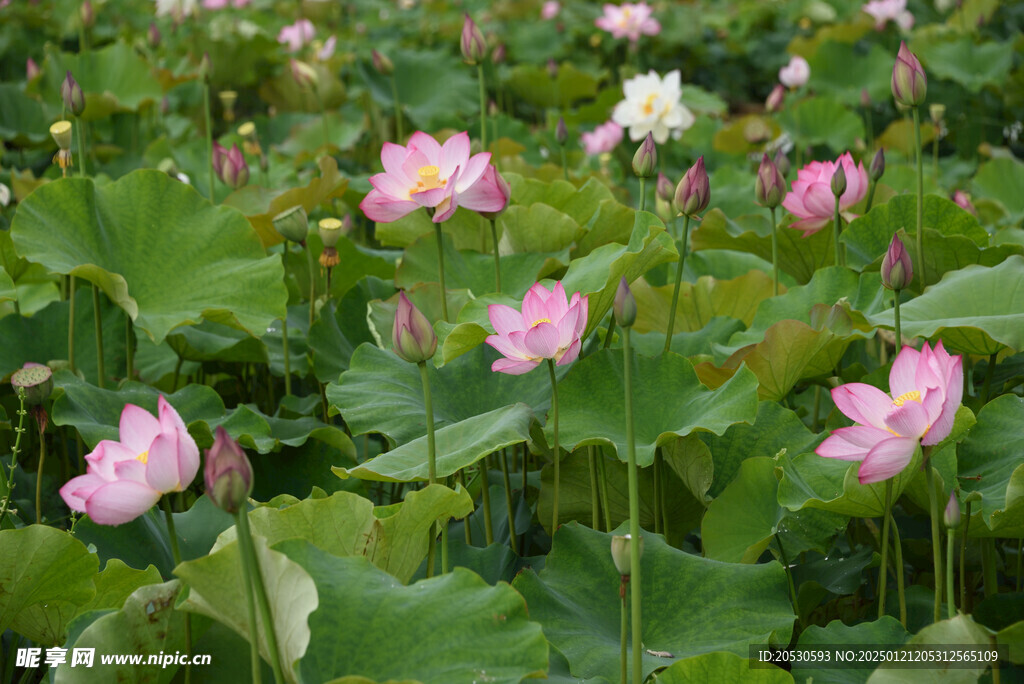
649,104
143,457
913,395
539,321
429,179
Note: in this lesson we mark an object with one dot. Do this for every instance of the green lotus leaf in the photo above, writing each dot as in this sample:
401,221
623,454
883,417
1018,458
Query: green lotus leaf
699,302
821,120
951,636
998,180
592,403
831,73
886,630
113,78
742,520
691,605
534,85
990,467
156,248
722,668
211,341
22,121
960,60
116,583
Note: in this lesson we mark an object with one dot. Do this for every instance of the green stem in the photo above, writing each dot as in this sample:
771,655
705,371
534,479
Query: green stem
98,320
789,574
634,511
248,548
440,270
554,448
165,503
919,237
8,483
896,318
209,137
1020,548
775,255
485,497
611,331
445,567
497,259
325,125
81,147
399,127
623,634
483,106
428,408
565,165
39,478
604,493
679,280
643,194
935,156
963,556
883,569
432,547
950,597
899,571
312,285
595,512
989,372
255,664
71,323
657,491
513,541
989,572
129,347
284,329
871,196
836,227
933,502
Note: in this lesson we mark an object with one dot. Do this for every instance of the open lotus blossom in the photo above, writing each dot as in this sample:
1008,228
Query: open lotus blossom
125,479
178,9
629,20
926,387
428,174
604,138
550,9
796,73
811,199
548,327
652,106
884,11
221,4
296,35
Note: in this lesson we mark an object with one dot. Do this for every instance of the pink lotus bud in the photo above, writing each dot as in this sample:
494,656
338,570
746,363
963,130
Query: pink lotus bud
775,98
622,554
71,93
877,167
693,192
865,98
838,181
561,132
228,473
624,305
31,69
951,516
153,35
550,9
963,200
909,83
499,54
383,65
897,269
304,74
474,47
796,73
664,188
413,338
87,15
646,158
220,154
770,186
234,169
553,69
781,162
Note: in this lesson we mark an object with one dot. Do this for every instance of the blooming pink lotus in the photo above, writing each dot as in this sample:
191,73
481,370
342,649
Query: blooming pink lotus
604,138
796,73
221,4
628,21
927,387
125,479
549,327
884,11
550,9
811,199
427,174
296,35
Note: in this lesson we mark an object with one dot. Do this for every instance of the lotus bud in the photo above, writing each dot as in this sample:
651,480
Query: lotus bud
220,155
205,67
304,74
292,223
839,181
561,132
909,83
897,269
553,69
87,15
61,132
153,35
865,98
383,65
963,200
227,102
36,380
235,171
646,158
413,338
877,167
71,93
770,186
228,473
499,54
503,187
474,47
951,516
937,112
624,305
31,69
693,192
664,188
775,98
781,162
621,553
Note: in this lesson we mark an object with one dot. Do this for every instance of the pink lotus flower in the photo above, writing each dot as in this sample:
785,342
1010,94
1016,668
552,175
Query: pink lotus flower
604,138
296,35
796,73
427,174
550,9
884,11
221,4
812,200
628,21
927,385
549,327
963,200
125,479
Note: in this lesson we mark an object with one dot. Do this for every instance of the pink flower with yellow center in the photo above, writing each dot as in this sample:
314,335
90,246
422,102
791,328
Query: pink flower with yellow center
125,479
630,20
926,387
811,199
548,327
428,174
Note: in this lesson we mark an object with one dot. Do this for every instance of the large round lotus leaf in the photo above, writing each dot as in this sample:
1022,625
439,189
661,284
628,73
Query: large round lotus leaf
973,66
989,465
452,628
822,120
113,78
668,400
156,248
691,605
831,72
886,630
954,637
722,668
1000,180
22,121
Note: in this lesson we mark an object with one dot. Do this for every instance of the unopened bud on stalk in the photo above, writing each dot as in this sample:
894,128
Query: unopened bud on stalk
624,305
775,98
474,47
86,13
781,162
499,54
153,35
839,181
693,191
897,269
770,186
645,160
383,65
877,167
561,132
292,223
228,473
31,69
413,338
553,69
71,93
621,553
909,82
865,98
304,74
951,516
205,67
664,188
234,169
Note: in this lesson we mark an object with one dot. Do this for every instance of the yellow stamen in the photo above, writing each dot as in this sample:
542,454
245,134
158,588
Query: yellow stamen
913,395
429,179
649,104
143,457
539,321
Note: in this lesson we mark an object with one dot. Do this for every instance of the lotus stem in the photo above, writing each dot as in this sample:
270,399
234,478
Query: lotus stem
39,476
595,512
989,372
623,632
896,319
513,541
431,547
255,662
565,165
428,408
71,323
611,331
248,549
634,511
444,548
312,287
497,259
899,570
485,498
679,281
871,196
920,196
98,320
165,503
483,106
129,347
989,571
789,575
933,502
399,128
643,195
8,482
657,492
883,569
440,271
963,555
775,255
950,596
836,227
554,449
209,138
81,147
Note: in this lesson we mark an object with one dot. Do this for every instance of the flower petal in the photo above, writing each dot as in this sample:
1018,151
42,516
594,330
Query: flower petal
863,403
454,154
902,376
513,367
819,200
106,455
909,420
542,340
138,428
535,304
383,209
505,319
118,502
472,171
162,464
505,346
852,443
570,354
888,458
426,144
392,156
76,490
942,425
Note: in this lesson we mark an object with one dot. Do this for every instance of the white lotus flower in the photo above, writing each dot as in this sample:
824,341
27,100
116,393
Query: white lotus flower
652,106
176,8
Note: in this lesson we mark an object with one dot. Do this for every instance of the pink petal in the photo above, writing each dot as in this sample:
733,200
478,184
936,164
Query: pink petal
819,200
391,186
393,156
505,319
567,327
76,490
570,354
428,146
107,454
119,502
162,465
542,340
131,470
810,226
862,403
445,208
138,428
534,308
454,154
888,458
584,305
794,205
851,443
513,367
506,347
557,304
902,376
430,198
909,420
382,209
954,395
482,197
473,171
